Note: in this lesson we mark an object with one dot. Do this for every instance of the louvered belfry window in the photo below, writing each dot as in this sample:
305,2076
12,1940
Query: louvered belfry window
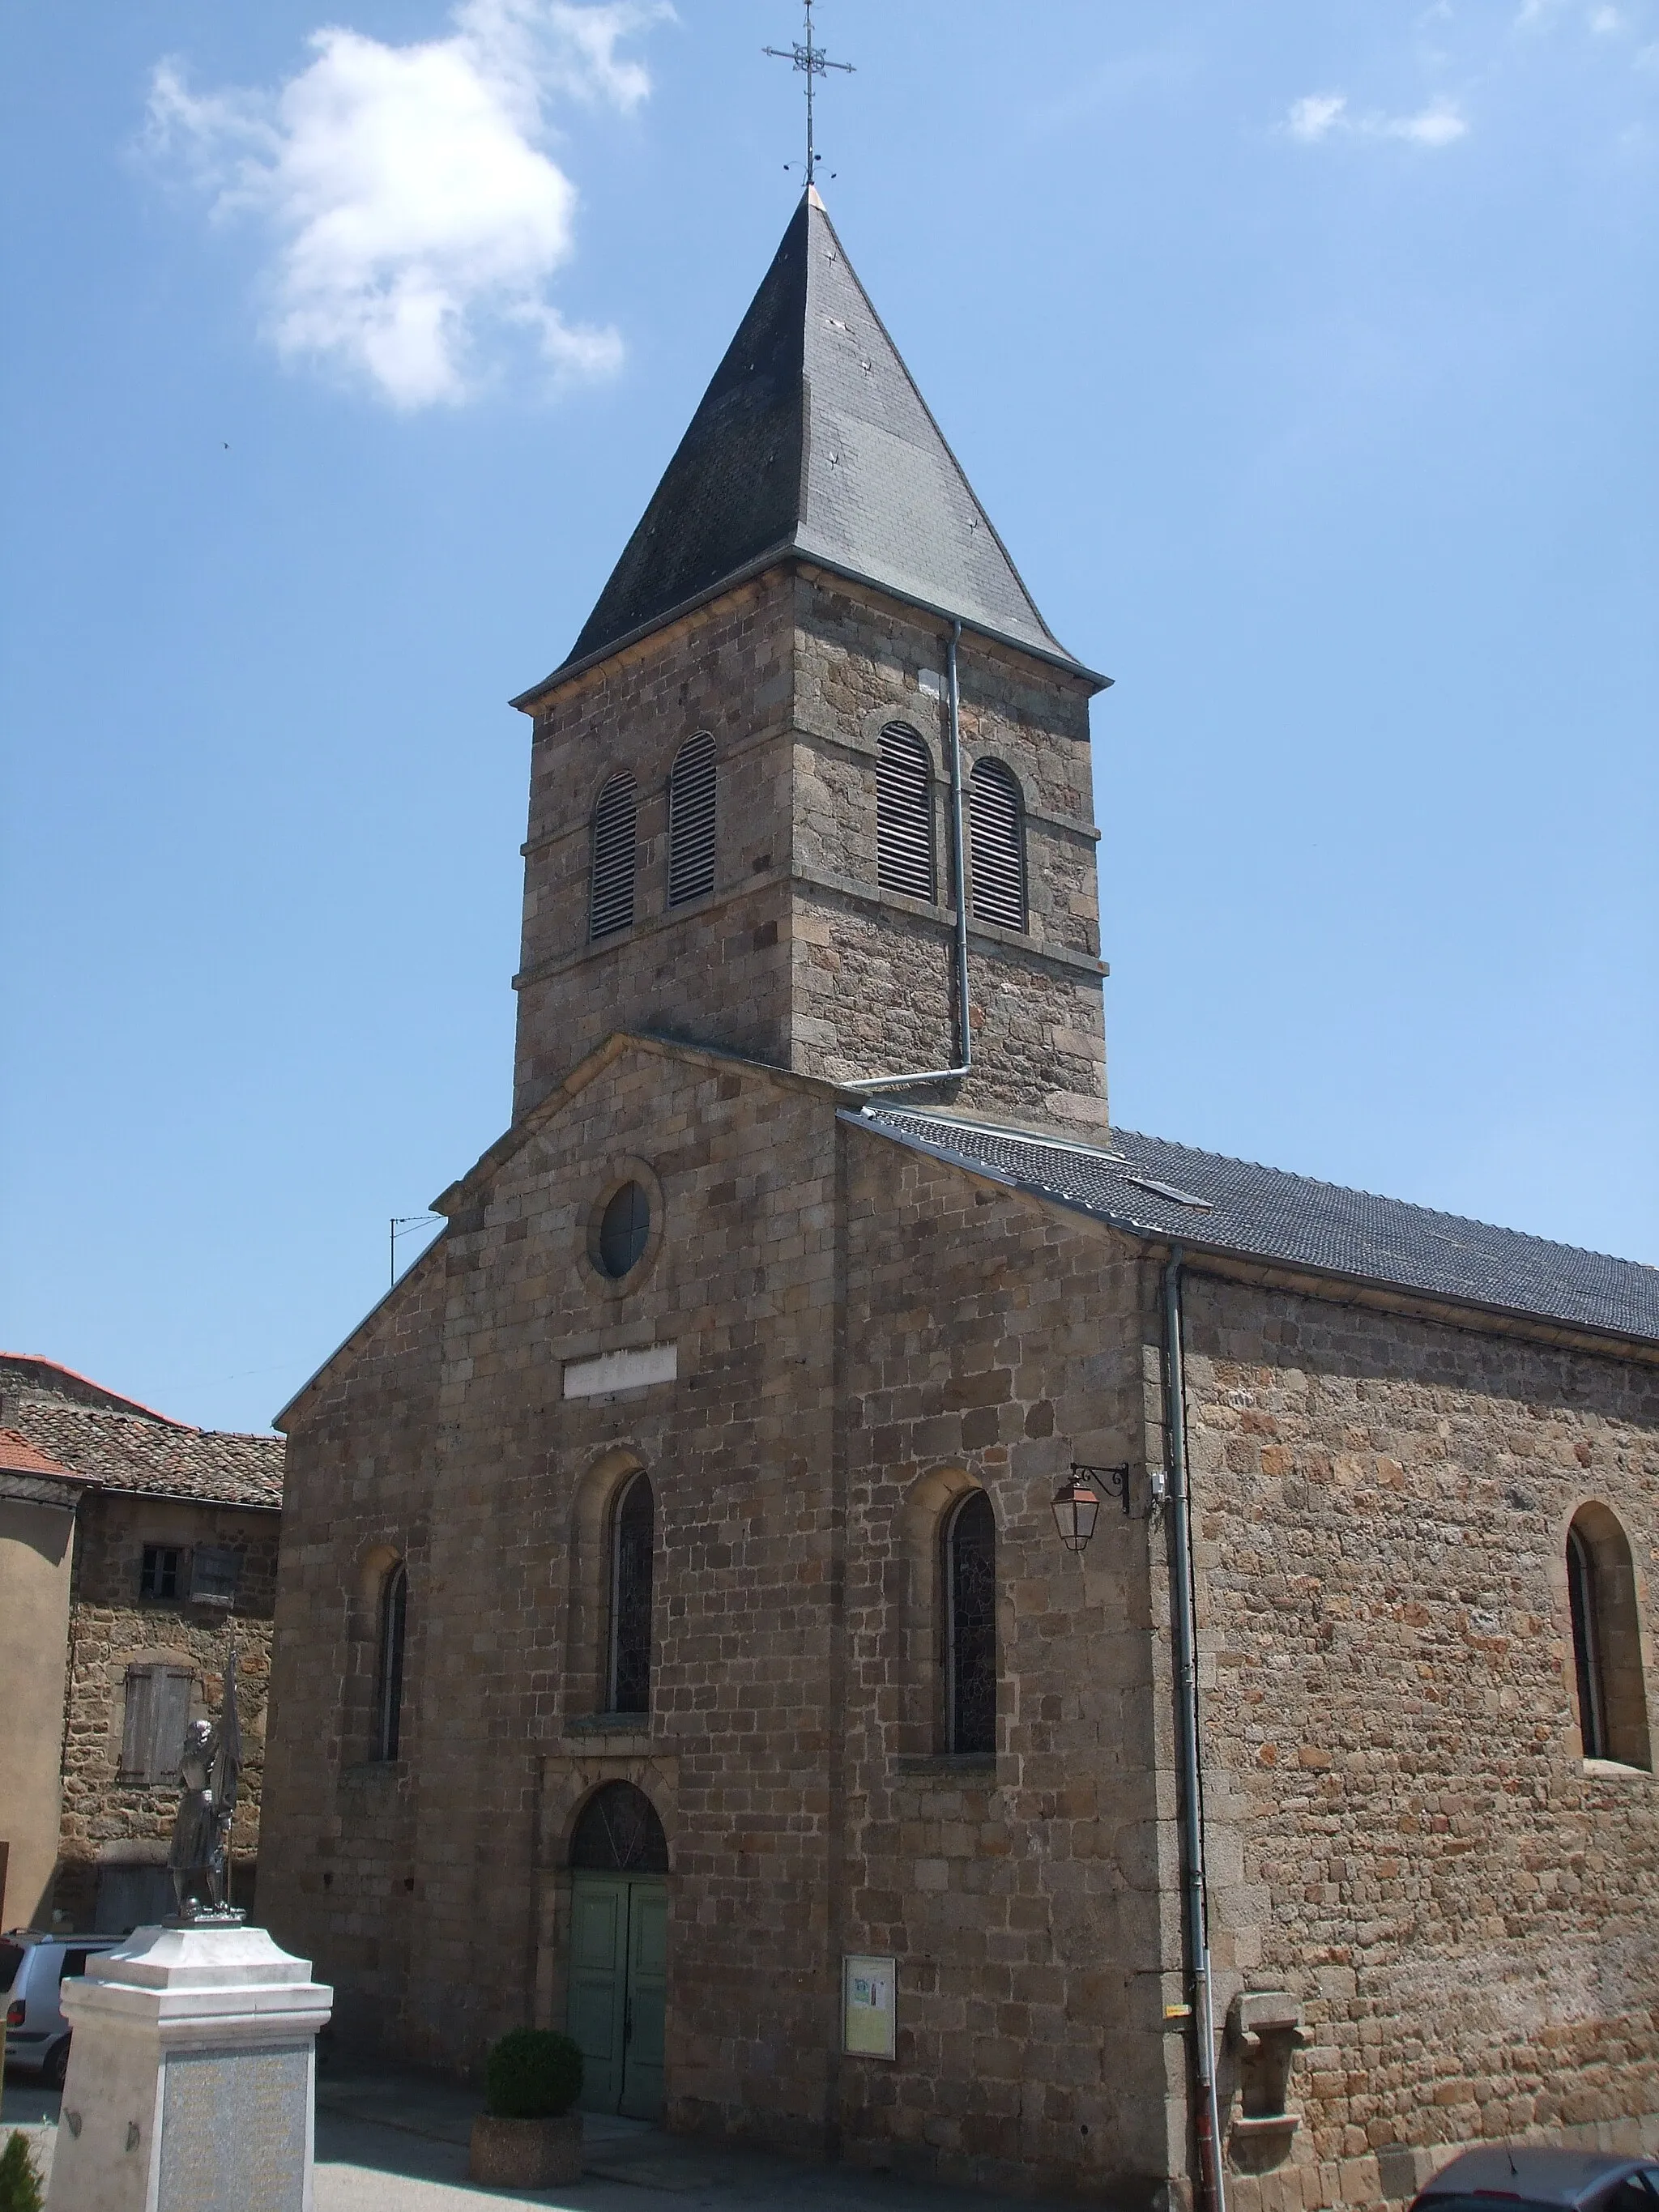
904,815
996,829
611,901
692,820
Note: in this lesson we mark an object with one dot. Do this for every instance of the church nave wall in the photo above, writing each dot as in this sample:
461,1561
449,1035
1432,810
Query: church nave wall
1412,1844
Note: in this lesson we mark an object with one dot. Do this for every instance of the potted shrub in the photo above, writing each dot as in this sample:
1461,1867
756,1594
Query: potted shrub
527,2136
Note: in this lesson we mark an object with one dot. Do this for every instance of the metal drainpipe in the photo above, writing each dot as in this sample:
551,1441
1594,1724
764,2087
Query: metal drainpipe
959,879
1193,1882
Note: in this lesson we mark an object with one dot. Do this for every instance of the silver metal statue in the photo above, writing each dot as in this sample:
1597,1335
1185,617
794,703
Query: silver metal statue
210,1771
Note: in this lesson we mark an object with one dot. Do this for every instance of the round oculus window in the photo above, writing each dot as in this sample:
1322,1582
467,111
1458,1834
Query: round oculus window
623,1228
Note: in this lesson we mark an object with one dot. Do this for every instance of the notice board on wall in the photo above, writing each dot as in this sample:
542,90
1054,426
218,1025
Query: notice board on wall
869,2006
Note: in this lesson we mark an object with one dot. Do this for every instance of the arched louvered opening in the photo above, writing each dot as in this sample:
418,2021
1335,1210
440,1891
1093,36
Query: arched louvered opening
610,900
996,829
904,815
632,1537
389,1671
692,820
1606,1639
970,1626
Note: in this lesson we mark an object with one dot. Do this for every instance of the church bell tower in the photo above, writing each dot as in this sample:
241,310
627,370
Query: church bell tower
813,705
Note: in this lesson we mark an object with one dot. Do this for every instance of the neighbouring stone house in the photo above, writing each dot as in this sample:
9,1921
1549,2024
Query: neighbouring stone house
924,1626
133,1548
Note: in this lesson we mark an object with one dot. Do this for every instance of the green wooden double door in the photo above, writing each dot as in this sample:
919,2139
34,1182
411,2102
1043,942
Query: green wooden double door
618,1985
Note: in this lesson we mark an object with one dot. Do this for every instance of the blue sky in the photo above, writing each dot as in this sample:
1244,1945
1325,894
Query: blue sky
1304,356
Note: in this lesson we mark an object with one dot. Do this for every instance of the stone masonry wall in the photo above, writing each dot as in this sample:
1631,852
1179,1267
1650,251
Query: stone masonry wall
1030,1899
716,968
1408,1840
873,970
106,1817
338,1881
791,1750
797,956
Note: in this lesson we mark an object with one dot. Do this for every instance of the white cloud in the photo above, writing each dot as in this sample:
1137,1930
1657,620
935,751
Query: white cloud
1321,115
1315,116
1437,125
410,196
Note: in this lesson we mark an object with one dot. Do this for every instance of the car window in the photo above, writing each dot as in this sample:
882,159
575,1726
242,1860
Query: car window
1486,2200
1633,2195
11,1957
75,1962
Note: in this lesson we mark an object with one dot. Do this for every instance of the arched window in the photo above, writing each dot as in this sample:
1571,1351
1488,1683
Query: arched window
970,1626
389,1671
611,897
904,814
692,820
1607,1641
619,1833
996,831
633,1533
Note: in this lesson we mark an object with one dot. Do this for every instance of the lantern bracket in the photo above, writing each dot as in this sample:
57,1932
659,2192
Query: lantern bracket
1113,1480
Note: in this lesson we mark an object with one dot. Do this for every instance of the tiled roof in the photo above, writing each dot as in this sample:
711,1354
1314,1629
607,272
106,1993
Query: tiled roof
813,439
18,1456
123,1446
1204,1200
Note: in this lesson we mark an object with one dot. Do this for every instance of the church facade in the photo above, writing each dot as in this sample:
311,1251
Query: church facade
923,1626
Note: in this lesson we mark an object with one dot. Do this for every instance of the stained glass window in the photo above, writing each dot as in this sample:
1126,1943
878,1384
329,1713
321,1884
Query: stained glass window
971,1626
632,1535
389,1686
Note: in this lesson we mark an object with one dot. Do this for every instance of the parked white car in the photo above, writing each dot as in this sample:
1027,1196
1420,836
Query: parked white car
31,1965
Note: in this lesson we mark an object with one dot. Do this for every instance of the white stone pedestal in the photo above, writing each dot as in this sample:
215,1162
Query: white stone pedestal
191,2076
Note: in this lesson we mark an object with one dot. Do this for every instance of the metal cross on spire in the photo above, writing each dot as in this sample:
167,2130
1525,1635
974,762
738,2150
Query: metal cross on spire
812,62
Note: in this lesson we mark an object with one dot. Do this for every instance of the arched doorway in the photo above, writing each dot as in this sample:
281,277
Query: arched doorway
619,1951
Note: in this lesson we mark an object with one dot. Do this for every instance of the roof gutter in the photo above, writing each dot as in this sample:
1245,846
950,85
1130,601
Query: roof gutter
959,884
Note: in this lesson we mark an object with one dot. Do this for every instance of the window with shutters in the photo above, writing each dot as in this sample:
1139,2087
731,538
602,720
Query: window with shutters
692,820
154,1716
389,1669
633,1538
610,899
996,831
904,815
970,1626
162,1572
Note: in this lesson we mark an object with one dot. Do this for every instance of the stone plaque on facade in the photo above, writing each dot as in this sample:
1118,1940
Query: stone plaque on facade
869,2006
233,2130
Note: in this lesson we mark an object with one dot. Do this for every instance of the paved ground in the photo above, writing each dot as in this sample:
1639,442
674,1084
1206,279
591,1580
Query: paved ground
397,2143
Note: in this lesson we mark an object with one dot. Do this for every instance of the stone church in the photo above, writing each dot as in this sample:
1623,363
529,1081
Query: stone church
926,1628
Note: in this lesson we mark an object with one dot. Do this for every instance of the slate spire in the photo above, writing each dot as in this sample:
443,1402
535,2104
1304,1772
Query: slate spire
812,439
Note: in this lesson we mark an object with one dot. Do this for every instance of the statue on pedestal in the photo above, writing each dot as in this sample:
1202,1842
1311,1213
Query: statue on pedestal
210,1771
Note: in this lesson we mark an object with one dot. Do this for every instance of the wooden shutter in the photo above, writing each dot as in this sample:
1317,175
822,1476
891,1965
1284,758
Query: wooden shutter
615,835
171,1712
138,1723
904,815
997,832
692,820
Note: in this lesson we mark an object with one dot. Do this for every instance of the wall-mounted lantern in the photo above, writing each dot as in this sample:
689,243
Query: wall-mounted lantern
1076,1502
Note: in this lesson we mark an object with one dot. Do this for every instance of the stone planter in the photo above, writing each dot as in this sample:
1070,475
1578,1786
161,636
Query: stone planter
525,2153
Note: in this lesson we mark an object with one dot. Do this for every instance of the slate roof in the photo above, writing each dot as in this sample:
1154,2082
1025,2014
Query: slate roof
813,439
1204,1200
120,1446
